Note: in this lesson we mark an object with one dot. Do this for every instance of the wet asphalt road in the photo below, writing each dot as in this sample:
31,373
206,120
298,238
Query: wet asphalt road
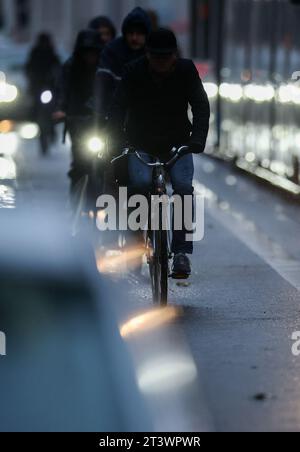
241,305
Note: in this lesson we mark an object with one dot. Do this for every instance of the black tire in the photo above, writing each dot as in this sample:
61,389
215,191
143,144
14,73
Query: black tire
159,268
154,268
164,265
46,127
44,142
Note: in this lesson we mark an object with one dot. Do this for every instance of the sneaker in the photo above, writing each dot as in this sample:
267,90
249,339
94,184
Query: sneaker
181,267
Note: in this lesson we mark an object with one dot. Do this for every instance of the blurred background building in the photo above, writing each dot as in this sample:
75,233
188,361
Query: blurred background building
246,52
23,19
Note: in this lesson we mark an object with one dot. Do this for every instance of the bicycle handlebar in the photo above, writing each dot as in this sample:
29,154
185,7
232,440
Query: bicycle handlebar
178,153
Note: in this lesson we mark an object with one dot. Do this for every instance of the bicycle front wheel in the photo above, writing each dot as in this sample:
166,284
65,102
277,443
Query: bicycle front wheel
159,268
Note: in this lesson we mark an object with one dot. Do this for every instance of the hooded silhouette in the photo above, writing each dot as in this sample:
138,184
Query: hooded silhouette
43,65
117,53
103,22
77,82
115,56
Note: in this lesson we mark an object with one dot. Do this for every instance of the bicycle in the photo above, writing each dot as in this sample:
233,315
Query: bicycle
91,150
158,243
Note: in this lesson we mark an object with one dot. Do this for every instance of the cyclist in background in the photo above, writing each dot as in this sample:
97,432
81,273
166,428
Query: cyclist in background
42,71
43,65
119,52
105,27
75,91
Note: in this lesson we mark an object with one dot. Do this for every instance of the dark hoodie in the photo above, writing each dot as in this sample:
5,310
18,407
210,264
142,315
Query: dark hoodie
76,87
103,21
115,56
43,65
117,53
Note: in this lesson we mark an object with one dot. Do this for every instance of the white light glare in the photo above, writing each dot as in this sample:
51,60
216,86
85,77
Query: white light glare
96,144
46,97
8,143
8,93
7,169
259,93
211,90
289,93
232,92
29,131
166,374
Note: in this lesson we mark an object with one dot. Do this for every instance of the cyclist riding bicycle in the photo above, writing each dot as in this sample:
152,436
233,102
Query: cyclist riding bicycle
128,47
150,113
117,54
74,93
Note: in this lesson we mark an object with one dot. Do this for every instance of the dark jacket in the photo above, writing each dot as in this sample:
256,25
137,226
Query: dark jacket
103,21
74,90
76,86
42,69
115,56
154,114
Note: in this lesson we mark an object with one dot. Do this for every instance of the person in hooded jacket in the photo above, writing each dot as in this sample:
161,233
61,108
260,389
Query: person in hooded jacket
131,45
150,114
117,54
43,65
42,70
74,93
104,26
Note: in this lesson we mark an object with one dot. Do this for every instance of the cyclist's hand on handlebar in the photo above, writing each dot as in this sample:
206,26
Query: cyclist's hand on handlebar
59,116
181,151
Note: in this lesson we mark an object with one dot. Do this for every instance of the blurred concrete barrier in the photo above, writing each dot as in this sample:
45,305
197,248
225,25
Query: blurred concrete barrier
67,368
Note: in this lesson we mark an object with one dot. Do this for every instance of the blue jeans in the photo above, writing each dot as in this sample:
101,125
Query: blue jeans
181,175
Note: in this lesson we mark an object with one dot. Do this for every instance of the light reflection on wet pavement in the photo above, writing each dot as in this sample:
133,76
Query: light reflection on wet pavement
8,176
8,171
7,197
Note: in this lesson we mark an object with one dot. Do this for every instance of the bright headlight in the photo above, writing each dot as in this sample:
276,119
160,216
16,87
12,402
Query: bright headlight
96,144
46,97
8,93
